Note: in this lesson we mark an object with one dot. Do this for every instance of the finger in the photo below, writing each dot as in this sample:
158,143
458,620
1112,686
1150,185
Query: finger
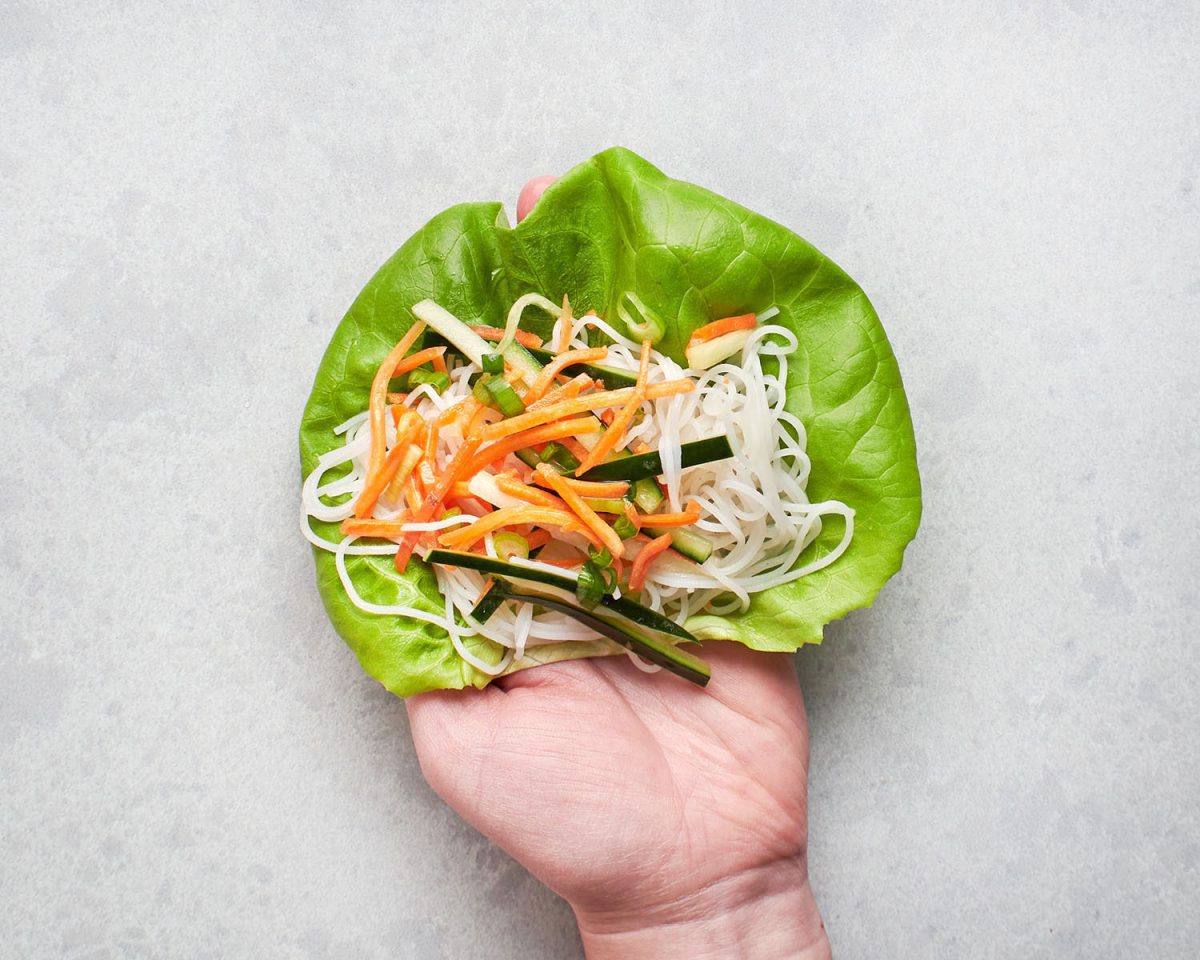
530,194
450,730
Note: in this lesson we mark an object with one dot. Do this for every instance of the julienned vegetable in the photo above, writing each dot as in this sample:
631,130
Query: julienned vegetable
755,546
496,466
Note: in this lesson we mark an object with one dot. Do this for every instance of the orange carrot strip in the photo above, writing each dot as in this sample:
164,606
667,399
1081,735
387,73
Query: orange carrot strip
439,364
556,366
634,517
396,398
529,494
523,337
688,517
542,412
646,556
409,424
718,328
564,331
507,517
590,518
456,411
538,538
543,434
608,490
412,494
353,527
669,388
578,450
435,496
431,442
613,435
566,563
417,359
378,395
569,390
394,492
461,489
644,365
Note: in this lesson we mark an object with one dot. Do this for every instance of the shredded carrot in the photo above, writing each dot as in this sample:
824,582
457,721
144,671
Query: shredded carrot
542,412
459,409
523,337
718,328
396,398
378,396
425,472
569,390
394,492
417,359
634,517
564,330
436,494
508,517
353,527
412,494
538,538
522,491
543,434
646,556
439,364
409,424
476,422
615,434
431,442
590,518
689,516
609,490
567,563
556,366
577,449
460,489
669,388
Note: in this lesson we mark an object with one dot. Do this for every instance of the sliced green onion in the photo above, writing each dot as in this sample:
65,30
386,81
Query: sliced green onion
559,456
509,545
505,397
590,588
529,456
439,381
480,391
492,363
641,322
601,558
624,528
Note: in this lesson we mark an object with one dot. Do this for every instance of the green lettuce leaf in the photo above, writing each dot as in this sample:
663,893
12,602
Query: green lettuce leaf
613,224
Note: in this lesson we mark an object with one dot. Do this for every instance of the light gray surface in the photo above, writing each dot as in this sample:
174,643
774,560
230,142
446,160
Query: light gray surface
191,764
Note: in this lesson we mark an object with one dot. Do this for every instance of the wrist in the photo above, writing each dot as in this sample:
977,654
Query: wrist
767,913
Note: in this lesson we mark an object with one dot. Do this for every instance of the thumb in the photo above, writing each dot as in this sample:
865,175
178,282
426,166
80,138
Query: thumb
530,194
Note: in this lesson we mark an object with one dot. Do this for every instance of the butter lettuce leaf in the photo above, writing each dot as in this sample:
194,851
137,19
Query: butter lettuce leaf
613,224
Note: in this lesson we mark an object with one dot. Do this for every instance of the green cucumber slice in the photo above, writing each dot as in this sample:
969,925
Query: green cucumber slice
643,465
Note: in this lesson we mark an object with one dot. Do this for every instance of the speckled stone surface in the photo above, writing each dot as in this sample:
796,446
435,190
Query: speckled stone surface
192,765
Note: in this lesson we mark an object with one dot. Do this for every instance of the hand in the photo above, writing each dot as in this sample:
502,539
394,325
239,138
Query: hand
673,819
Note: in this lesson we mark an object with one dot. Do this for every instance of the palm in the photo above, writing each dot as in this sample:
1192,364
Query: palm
614,787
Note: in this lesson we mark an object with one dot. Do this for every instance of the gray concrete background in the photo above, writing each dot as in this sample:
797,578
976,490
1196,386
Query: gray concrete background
1004,748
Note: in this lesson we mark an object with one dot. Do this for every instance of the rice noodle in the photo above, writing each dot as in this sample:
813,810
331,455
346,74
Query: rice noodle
754,506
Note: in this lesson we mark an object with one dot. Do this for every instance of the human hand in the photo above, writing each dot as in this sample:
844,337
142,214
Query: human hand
672,819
